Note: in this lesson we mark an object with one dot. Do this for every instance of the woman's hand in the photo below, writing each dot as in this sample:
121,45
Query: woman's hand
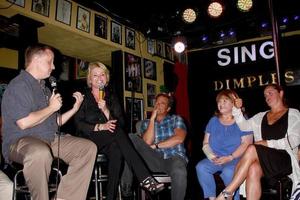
222,160
102,105
238,103
110,125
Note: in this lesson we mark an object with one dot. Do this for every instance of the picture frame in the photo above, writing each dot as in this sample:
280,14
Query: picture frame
63,11
100,26
151,46
20,3
129,38
169,52
83,19
160,48
150,69
133,73
81,67
41,7
151,94
137,111
65,67
116,32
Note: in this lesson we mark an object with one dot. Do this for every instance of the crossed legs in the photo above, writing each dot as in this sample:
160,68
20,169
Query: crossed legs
248,168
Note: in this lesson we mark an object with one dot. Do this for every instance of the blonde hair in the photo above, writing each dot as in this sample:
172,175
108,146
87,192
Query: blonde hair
94,65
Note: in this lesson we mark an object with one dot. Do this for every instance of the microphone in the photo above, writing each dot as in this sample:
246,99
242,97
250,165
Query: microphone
53,83
101,91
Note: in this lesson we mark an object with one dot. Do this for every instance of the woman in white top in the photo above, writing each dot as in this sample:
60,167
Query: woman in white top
274,152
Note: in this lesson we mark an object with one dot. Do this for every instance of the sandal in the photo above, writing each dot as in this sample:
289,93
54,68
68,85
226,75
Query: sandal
151,185
227,195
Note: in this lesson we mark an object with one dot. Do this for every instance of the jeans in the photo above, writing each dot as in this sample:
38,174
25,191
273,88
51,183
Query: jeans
205,170
175,167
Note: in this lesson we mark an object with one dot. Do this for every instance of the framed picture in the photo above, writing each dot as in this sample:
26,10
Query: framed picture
116,32
65,65
151,46
63,11
133,73
160,48
18,2
100,26
41,7
149,69
151,93
83,19
169,52
129,38
134,111
81,69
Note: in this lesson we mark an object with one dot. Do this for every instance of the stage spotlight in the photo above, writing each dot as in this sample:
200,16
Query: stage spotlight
215,9
204,38
189,15
244,5
179,44
264,25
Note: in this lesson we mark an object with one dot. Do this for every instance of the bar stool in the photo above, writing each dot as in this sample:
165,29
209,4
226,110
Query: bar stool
20,186
100,177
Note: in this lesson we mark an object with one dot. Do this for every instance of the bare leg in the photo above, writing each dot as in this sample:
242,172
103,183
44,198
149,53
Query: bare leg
241,171
253,185
212,198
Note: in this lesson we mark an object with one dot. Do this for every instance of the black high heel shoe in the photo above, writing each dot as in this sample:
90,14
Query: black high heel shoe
151,185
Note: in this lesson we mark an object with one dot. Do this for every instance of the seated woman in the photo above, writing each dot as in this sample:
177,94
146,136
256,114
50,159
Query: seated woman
101,120
223,145
274,152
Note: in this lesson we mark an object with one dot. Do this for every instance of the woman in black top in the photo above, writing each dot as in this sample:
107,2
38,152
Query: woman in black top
101,120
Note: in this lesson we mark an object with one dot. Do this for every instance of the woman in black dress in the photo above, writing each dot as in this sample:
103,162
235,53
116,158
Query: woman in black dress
100,119
274,152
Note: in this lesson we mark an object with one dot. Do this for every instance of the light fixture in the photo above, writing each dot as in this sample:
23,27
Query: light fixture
215,9
189,15
179,44
244,5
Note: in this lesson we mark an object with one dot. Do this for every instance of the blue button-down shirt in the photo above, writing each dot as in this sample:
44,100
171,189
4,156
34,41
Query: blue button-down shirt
164,130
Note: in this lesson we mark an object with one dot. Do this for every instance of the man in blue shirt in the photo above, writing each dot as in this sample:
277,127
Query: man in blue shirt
162,144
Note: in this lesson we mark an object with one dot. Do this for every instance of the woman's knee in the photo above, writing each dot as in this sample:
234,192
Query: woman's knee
250,152
255,171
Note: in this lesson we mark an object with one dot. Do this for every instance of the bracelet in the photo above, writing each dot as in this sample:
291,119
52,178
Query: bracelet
156,146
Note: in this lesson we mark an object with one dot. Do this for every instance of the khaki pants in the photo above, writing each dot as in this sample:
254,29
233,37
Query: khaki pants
36,157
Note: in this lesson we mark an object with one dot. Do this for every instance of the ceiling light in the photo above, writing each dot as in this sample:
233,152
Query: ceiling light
244,5
215,9
189,15
179,47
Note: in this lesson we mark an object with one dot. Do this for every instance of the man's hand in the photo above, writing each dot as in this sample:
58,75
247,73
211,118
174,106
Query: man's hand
55,101
79,98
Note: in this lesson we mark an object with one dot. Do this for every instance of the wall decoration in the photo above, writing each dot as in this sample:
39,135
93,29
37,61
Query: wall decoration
133,73
41,7
151,46
134,111
81,69
18,2
63,11
65,65
151,93
83,19
169,52
129,38
149,69
160,48
100,26
116,32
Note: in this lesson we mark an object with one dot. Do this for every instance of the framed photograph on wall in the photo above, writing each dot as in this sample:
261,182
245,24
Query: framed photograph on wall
41,7
151,46
81,68
169,52
18,2
129,38
149,69
160,48
133,73
63,11
134,111
151,93
100,26
83,19
116,32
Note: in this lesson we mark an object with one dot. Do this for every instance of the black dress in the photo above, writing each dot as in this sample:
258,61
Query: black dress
275,163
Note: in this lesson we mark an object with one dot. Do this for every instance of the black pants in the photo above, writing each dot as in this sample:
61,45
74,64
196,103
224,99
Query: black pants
117,146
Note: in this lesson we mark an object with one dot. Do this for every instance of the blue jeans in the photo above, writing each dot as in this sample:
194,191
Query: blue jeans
175,167
205,170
